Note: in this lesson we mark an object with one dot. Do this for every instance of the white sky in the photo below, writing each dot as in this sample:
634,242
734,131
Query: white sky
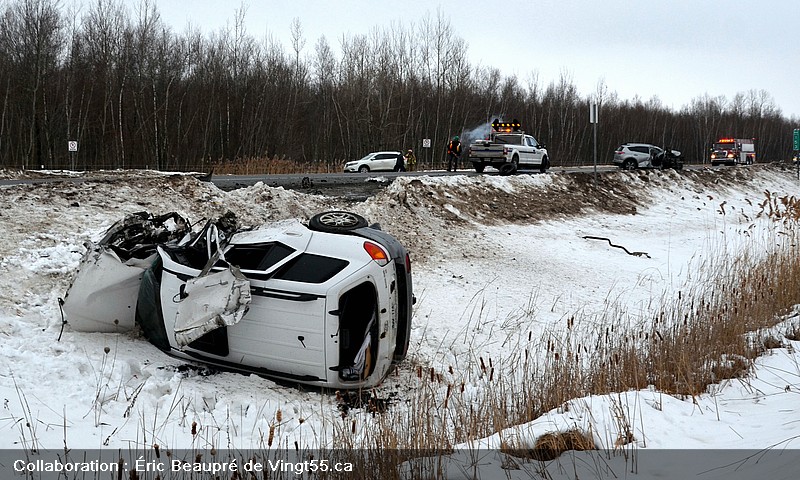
676,50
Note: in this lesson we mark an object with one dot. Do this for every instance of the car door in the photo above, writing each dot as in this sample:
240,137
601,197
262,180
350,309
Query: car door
384,161
532,153
654,156
642,155
283,332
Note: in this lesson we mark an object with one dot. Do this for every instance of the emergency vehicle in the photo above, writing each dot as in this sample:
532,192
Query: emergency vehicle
732,151
508,149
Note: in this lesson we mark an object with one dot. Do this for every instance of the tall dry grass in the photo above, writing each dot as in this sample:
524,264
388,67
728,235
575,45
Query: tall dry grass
280,165
274,166
710,331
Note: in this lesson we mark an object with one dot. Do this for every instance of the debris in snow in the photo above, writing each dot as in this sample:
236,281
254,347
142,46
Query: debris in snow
635,254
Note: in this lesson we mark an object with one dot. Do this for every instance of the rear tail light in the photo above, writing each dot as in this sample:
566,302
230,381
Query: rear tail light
505,150
377,253
408,264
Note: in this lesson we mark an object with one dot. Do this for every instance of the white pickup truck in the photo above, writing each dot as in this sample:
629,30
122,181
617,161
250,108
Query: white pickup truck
508,151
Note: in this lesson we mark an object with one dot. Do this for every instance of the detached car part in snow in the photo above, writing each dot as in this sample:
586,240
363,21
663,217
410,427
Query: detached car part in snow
606,239
326,304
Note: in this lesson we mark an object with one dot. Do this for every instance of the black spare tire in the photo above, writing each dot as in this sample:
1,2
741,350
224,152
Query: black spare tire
336,222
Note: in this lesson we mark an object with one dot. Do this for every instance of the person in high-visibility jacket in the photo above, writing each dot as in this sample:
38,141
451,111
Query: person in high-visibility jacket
453,154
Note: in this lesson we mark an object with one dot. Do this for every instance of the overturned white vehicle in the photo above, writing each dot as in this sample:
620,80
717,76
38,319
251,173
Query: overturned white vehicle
328,303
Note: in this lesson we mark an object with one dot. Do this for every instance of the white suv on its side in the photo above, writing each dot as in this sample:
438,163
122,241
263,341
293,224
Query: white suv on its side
327,303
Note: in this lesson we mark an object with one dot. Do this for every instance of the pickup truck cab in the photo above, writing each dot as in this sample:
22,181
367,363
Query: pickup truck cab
508,150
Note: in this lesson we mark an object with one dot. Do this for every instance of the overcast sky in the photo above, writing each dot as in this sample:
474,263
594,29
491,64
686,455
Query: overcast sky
674,49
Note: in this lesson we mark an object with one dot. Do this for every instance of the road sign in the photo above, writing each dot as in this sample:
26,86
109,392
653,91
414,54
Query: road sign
426,143
796,139
72,145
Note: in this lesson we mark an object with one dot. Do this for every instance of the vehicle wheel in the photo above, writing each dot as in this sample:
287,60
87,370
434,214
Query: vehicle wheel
630,164
336,222
479,167
363,169
545,164
515,163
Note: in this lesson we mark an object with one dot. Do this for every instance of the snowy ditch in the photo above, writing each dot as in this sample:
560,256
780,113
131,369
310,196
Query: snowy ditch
501,265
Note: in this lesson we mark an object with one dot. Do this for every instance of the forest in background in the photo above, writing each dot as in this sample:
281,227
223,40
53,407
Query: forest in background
134,93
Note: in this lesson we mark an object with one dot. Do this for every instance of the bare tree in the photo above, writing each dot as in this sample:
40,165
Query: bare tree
31,40
135,94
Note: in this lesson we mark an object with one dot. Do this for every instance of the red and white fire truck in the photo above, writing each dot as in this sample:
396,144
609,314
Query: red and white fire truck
732,151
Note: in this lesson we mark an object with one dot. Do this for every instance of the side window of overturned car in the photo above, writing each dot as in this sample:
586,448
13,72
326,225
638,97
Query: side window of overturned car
310,268
257,256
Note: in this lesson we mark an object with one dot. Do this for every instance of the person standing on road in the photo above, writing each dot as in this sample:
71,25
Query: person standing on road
400,164
411,160
453,153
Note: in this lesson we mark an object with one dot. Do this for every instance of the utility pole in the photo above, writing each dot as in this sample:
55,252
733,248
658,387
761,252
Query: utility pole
796,148
594,119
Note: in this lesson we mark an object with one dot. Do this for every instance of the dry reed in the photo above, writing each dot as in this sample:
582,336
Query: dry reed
709,331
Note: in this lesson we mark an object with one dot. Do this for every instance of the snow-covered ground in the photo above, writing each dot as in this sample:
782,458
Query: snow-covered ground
497,260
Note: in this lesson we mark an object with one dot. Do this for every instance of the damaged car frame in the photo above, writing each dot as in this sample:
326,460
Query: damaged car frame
327,303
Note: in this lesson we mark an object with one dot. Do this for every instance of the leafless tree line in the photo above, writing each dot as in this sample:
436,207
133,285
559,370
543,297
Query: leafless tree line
133,93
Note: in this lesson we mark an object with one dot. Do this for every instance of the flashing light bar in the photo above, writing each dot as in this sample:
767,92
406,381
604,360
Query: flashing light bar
505,126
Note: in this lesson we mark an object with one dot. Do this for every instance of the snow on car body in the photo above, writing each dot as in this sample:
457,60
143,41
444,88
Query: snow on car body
328,304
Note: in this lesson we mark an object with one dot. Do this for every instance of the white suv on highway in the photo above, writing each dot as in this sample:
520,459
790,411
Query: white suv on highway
374,162
634,155
631,156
